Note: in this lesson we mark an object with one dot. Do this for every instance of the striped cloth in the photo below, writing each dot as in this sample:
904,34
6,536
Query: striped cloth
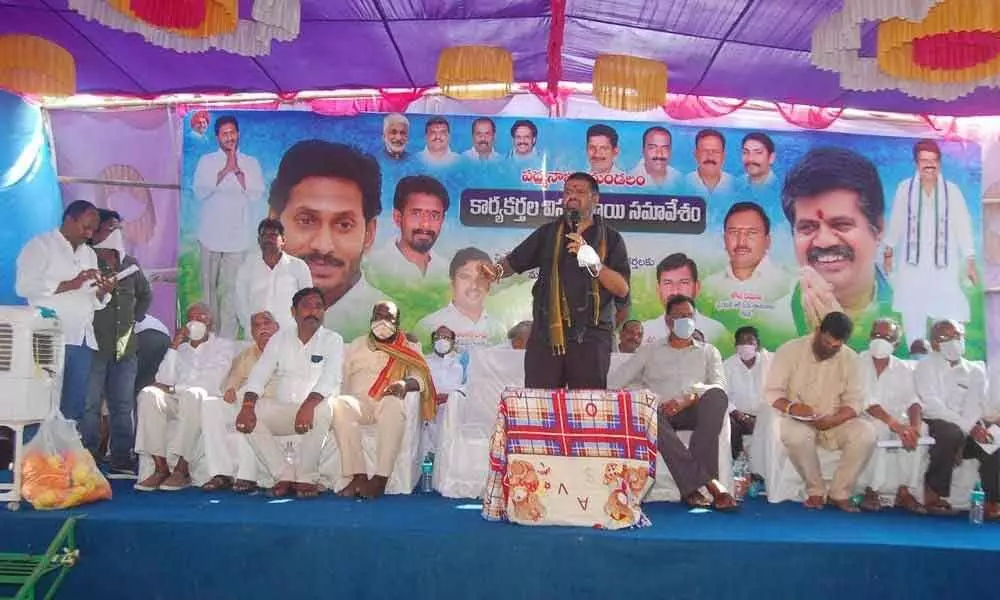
579,457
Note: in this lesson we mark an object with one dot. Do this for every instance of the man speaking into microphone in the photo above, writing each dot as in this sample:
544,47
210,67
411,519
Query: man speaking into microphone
582,267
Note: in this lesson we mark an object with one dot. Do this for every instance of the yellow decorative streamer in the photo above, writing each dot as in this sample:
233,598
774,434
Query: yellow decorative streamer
221,17
35,66
475,72
629,83
896,37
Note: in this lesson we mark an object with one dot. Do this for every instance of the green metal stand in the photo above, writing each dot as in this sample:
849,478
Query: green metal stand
25,571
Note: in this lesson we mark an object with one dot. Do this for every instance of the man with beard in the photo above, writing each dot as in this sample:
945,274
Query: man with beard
229,184
420,206
267,281
582,267
395,135
328,198
655,163
484,134
931,227
759,182
466,315
630,336
709,154
523,137
438,152
307,362
834,202
602,149
380,369
816,383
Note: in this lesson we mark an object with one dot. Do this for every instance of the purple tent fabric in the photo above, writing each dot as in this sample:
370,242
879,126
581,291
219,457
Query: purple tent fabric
738,48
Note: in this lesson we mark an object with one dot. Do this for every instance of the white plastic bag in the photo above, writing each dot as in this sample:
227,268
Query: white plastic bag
58,472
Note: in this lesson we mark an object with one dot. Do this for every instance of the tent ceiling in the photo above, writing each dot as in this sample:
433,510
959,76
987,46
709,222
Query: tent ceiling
736,48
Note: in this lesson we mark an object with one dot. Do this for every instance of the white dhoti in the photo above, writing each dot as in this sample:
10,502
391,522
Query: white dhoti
156,410
218,426
277,419
890,468
389,418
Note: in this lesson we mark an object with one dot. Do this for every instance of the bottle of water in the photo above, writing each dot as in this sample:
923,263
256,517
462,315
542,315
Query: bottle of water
741,476
426,474
977,503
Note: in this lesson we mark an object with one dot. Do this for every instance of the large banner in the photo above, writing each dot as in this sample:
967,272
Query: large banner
765,228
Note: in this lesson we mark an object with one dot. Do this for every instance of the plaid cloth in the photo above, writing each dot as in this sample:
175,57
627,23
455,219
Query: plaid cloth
603,424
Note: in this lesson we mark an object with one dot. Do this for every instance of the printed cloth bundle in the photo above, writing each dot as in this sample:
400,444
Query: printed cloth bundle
572,457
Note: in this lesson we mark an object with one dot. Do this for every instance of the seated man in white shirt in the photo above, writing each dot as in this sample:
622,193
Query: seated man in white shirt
192,371
745,374
307,363
58,270
268,279
218,415
953,391
379,370
688,378
447,365
892,405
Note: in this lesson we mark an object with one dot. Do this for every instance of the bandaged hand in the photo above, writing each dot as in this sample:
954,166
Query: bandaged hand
818,299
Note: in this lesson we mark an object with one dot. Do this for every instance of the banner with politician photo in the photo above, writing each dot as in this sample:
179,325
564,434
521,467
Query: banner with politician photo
766,228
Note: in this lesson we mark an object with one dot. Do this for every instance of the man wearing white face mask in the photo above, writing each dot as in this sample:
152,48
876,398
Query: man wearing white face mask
447,367
892,405
379,370
745,373
192,371
688,378
954,394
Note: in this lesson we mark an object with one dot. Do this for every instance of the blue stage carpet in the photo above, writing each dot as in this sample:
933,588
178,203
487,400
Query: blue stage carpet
220,546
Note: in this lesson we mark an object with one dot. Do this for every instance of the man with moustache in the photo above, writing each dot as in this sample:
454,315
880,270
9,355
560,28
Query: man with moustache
466,315
655,163
484,134
307,362
630,337
229,184
759,181
677,274
395,135
602,149
438,152
328,198
750,282
815,382
931,229
834,202
267,281
709,154
379,370
523,137
420,206
582,267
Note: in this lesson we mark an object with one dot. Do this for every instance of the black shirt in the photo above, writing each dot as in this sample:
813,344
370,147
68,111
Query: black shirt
536,252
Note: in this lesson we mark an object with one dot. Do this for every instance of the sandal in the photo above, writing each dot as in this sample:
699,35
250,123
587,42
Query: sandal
907,502
306,490
941,508
814,503
244,486
281,489
845,505
218,483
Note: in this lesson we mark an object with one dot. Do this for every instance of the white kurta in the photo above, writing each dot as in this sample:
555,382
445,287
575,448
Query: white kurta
468,333
758,293
260,288
697,186
228,211
894,391
910,281
955,394
46,261
745,388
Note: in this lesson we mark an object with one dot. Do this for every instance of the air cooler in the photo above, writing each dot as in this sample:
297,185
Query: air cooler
31,365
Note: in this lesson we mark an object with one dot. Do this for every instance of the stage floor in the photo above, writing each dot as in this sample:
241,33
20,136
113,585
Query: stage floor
217,546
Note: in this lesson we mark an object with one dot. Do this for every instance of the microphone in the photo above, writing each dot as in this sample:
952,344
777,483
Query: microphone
574,219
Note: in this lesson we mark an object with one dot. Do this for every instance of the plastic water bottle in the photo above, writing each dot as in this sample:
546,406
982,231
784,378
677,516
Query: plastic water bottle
741,476
426,474
977,502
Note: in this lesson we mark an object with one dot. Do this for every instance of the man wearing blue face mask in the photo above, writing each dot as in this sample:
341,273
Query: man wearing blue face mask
953,392
688,378
919,350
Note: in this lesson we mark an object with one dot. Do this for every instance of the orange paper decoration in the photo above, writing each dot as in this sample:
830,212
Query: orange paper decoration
35,66
221,17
